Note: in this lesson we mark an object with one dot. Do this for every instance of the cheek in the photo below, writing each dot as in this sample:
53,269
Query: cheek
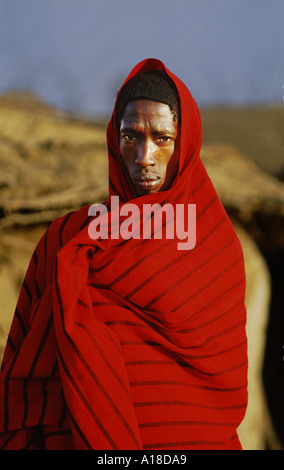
171,169
128,157
122,152
168,158
125,153
174,161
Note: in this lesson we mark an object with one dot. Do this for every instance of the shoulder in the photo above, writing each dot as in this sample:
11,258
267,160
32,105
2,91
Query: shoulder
58,234
64,228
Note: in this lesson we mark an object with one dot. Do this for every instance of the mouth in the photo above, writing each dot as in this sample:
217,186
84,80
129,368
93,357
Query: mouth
147,182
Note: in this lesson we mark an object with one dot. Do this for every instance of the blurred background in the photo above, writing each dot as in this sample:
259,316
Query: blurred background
61,65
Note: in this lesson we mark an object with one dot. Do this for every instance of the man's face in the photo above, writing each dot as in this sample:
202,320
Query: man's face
148,133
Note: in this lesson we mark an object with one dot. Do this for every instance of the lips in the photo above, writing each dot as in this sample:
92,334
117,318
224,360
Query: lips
146,178
147,182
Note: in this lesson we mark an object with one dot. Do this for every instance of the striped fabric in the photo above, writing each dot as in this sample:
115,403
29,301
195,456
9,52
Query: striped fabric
131,344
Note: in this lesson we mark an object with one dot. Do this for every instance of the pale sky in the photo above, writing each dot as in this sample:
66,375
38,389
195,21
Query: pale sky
75,53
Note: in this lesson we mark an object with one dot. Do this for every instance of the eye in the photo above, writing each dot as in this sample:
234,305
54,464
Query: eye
165,139
129,138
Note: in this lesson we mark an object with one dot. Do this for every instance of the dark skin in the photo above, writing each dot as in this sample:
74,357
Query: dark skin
148,136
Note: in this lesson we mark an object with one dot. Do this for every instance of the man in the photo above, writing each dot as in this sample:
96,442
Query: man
130,343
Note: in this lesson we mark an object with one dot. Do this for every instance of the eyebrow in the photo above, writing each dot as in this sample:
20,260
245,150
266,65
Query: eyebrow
128,129
155,132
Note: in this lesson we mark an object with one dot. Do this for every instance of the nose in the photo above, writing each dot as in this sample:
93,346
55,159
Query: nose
145,154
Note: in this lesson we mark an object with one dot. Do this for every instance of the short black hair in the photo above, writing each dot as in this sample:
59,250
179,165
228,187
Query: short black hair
153,85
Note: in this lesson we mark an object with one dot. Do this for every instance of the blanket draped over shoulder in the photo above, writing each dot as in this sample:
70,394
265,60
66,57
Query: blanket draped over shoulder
131,343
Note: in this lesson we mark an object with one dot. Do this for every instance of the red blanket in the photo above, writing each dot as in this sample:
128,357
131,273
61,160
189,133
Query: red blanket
131,344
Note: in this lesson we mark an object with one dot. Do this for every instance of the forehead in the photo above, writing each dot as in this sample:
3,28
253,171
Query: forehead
150,113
